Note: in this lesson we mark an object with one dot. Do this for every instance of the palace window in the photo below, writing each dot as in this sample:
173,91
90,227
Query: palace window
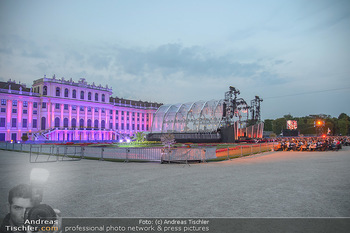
45,90
65,122
89,96
96,124
96,96
74,123
82,95
25,111
57,106
43,123
43,105
35,104
58,91
3,102
57,122
103,97
35,123
14,122
25,104
14,103
74,94
24,123
65,106
66,92
2,122
103,124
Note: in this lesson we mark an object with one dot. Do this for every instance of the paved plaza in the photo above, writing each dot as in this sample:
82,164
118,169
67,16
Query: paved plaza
273,184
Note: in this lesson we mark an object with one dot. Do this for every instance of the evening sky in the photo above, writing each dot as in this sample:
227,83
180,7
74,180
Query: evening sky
294,54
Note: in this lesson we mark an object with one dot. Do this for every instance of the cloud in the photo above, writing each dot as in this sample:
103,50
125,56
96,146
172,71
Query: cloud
99,61
12,44
191,61
187,62
157,73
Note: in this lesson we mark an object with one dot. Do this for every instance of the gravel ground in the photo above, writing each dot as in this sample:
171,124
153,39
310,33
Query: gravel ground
273,184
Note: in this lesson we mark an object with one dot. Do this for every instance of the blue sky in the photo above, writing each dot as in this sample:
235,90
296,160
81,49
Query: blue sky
293,54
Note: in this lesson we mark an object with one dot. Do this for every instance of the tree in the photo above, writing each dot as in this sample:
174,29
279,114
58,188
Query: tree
288,117
25,137
340,125
343,126
139,137
168,140
268,125
278,125
343,116
306,125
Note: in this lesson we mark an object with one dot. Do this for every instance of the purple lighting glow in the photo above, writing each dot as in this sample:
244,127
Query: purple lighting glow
49,111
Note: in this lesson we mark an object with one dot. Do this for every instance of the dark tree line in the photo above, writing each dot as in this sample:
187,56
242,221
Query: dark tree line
337,126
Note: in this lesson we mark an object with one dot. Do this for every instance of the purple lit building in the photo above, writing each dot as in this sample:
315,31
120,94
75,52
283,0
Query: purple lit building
64,110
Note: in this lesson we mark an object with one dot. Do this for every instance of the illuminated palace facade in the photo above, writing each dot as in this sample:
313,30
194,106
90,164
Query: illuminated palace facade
64,110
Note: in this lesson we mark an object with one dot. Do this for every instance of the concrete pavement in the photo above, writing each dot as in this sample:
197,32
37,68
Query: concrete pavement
273,184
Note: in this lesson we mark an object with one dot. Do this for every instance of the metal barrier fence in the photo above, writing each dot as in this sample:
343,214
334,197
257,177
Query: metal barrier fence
54,153
36,154
243,150
188,154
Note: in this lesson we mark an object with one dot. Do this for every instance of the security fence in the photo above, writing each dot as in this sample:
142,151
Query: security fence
53,153
244,150
188,154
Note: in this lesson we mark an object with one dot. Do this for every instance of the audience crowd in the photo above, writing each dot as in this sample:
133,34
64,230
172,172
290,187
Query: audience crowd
312,143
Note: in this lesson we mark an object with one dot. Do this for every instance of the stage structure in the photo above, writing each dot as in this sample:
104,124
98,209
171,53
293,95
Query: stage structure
225,120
